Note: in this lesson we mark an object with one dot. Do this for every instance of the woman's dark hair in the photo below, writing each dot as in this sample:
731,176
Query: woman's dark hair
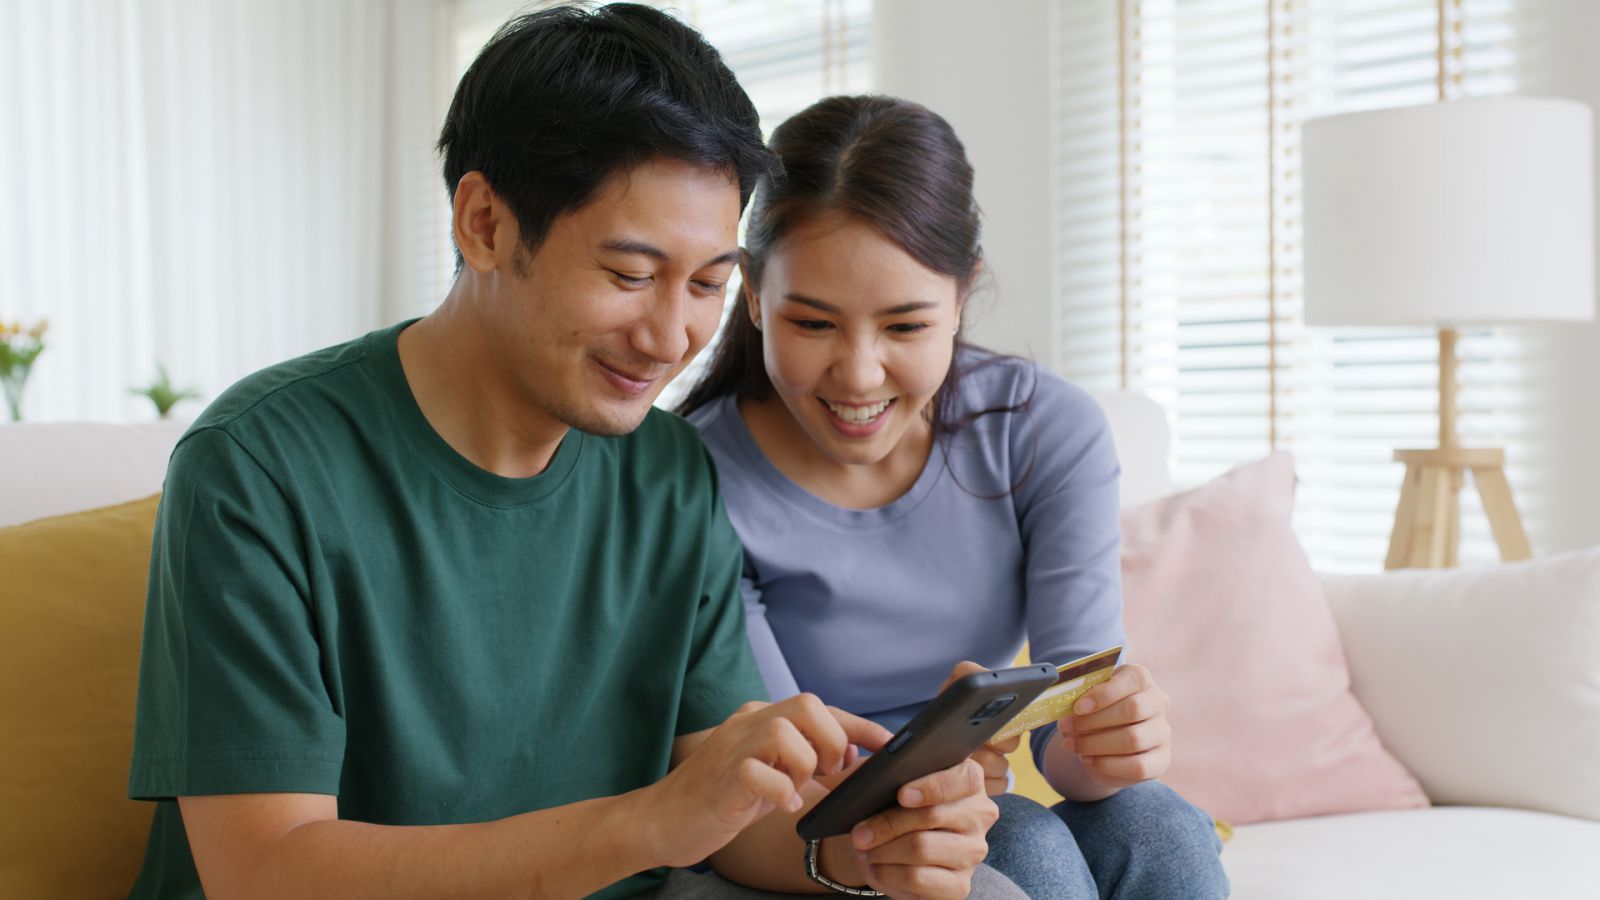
560,100
887,162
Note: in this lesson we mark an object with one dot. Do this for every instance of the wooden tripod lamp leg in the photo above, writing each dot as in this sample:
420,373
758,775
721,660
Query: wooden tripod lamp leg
1405,516
1430,547
1455,479
1504,520
1427,523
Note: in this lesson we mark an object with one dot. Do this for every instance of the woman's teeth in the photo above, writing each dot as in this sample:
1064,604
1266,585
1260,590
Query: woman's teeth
859,415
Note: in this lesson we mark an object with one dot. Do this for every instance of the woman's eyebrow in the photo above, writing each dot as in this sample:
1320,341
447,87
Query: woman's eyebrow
896,310
902,309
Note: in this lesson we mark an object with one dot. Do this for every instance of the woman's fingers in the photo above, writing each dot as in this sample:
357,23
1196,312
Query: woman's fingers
1145,704
1136,738
995,769
961,669
960,781
1008,745
1133,768
1120,729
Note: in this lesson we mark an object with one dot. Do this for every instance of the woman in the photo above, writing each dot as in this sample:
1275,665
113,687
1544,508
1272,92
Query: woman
907,500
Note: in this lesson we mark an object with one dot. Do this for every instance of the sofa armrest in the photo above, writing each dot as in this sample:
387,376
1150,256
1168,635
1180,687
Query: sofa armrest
1485,683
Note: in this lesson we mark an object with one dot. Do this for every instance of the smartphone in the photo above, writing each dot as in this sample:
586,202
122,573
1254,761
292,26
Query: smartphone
948,730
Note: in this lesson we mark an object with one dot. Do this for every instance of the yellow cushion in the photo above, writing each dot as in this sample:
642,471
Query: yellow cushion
72,594
1028,782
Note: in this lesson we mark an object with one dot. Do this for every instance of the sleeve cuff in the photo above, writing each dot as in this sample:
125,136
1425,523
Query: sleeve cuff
710,707
1038,740
165,779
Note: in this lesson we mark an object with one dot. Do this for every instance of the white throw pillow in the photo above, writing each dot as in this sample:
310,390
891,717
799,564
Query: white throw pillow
1485,683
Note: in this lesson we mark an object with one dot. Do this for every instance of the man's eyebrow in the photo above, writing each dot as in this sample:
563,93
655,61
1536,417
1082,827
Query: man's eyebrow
898,310
628,245
731,256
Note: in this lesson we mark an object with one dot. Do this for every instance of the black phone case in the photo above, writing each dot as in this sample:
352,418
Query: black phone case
943,734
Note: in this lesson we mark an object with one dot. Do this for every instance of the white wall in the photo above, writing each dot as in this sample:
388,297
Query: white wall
986,69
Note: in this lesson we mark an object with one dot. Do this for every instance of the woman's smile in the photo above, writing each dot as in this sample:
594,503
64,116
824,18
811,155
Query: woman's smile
858,419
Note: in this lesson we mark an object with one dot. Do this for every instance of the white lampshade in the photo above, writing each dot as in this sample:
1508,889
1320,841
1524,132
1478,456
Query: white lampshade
1467,211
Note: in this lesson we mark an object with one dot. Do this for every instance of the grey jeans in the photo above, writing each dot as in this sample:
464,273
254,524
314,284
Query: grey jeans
682,884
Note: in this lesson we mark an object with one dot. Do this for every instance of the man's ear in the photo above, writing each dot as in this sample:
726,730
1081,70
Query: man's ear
480,223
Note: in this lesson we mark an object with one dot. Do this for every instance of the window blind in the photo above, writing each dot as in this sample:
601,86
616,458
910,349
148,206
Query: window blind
1178,243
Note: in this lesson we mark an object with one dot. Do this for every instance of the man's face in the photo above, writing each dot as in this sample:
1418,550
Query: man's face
620,296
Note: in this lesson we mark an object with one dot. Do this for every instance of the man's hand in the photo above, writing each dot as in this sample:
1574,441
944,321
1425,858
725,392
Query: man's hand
756,761
992,756
1119,729
928,847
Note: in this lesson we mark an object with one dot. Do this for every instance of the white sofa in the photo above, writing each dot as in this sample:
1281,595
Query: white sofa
1459,851
1422,697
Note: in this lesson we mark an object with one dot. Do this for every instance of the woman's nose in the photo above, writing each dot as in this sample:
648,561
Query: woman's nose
858,367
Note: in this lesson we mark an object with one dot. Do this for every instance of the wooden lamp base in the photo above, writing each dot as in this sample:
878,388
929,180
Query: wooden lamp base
1427,524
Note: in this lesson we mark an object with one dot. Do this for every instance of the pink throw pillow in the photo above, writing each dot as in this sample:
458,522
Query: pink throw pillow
1223,608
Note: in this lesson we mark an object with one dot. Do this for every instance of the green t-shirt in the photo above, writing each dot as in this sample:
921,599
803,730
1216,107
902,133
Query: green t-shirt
341,604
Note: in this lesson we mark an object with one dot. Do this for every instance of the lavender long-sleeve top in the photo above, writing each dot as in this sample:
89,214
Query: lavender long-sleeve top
1010,533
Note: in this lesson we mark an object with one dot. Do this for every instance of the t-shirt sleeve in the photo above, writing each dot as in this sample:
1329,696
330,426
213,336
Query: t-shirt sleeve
775,671
231,696
722,673
1067,510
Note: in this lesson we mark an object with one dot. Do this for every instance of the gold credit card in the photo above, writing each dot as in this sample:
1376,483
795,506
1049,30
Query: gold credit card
1073,680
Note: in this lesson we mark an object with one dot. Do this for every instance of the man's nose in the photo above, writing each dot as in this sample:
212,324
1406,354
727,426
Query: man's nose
663,332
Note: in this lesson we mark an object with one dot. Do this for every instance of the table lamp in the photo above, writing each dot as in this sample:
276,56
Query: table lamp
1457,213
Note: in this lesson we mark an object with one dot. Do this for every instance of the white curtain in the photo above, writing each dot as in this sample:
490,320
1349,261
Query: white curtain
205,184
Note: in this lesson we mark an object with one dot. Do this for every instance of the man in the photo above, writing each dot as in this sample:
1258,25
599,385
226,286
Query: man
450,610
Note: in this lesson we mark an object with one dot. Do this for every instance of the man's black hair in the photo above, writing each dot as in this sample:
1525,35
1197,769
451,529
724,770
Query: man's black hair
562,99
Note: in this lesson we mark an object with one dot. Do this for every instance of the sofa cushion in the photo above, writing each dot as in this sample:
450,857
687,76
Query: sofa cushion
1464,853
71,612
74,466
1485,682
1223,608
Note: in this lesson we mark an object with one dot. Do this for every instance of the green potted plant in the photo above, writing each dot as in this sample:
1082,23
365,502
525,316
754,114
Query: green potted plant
163,394
19,348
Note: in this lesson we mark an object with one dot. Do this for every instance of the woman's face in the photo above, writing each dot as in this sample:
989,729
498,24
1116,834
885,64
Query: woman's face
856,334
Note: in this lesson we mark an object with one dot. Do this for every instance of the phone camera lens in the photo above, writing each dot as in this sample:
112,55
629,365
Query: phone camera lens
993,708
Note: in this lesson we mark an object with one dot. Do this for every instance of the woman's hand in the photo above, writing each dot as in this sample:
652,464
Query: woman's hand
992,757
1119,729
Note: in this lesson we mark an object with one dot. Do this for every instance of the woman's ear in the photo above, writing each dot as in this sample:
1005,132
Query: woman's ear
966,292
747,288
